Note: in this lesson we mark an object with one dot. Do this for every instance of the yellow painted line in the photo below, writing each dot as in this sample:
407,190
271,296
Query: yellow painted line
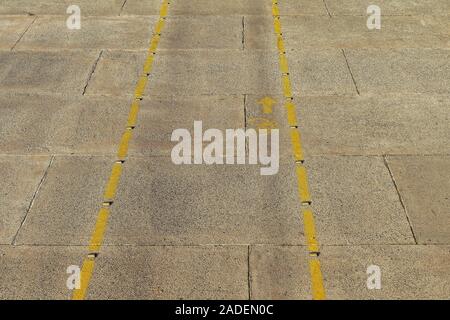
140,88
310,231
318,290
284,64
124,144
85,277
99,231
113,182
303,188
297,145
132,116
287,88
277,26
291,114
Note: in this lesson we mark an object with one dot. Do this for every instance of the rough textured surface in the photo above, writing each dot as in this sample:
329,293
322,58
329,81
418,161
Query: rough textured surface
372,109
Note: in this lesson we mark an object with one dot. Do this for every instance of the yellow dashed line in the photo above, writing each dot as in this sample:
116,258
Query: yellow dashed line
317,287
122,152
316,279
297,145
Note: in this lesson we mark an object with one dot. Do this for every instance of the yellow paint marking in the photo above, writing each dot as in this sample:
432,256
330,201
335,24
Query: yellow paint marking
99,230
303,188
111,187
154,43
318,291
159,26
85,277
113,182
284,64
262,123
275,11
277,26
140,88
148,64
287,89
124,143
291,114
164,9
132,116
310,231
267,104
297,145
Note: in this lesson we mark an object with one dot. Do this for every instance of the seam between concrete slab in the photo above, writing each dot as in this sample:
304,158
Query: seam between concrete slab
400,197
23,34
351,73
94,67
33,198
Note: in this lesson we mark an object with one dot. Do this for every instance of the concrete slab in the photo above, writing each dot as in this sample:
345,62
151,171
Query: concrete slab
374,125
407,272
202,32
21,177
168,204
205,272
230,7
389,7
400,71
45,71
199,72
130,33
65,210
59,7
356,202
11,29
279,273
345,32
160,116
424,182
36,273
54,124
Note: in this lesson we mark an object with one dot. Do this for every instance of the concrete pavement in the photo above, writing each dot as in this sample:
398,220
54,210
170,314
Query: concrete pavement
372,110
